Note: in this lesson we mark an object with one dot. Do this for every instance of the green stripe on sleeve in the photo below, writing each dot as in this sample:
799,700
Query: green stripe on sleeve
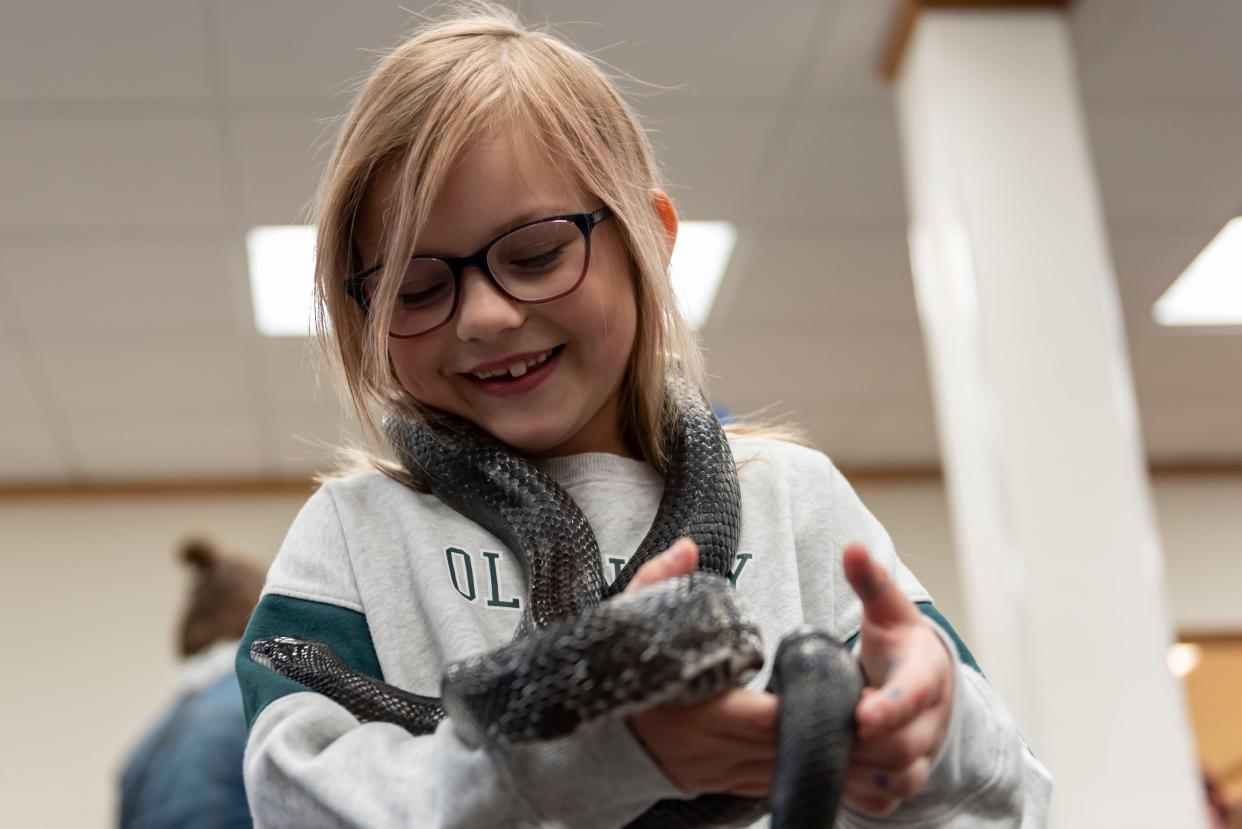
345,631
929,610
963,653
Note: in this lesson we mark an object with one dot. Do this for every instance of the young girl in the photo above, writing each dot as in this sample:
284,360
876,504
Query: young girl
473,138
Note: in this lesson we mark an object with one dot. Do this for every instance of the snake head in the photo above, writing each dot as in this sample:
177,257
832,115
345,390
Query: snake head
277,652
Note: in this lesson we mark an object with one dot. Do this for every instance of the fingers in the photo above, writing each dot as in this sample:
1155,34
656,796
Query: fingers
899,749
726,744
883,603
742,714
677,560
913,685
903,723
876,791
752,778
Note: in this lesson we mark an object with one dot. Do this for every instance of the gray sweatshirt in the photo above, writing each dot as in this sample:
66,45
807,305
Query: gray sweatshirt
401,585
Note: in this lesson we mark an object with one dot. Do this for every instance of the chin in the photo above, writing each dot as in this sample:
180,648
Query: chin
531,438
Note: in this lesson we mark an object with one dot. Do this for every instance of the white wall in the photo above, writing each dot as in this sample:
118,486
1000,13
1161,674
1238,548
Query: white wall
89,598
89,595
1200,523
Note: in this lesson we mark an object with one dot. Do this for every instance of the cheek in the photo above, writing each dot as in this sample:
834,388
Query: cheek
607,321
415,368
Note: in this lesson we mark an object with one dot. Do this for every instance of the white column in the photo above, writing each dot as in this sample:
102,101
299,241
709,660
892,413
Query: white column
1039,434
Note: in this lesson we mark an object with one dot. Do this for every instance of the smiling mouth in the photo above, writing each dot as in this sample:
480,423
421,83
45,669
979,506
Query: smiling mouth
517,370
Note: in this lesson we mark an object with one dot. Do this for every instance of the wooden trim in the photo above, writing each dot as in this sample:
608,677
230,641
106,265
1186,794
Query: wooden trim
305,486
160,488
880,474
1208,636
1228,469
906,17
1195,470
893,48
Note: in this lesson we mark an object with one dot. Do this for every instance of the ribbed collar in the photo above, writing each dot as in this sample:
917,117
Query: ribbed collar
572,469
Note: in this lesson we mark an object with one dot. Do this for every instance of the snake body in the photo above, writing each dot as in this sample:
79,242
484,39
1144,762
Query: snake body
585,650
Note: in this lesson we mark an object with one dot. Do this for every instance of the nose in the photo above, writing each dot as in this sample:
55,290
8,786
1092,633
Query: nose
483,310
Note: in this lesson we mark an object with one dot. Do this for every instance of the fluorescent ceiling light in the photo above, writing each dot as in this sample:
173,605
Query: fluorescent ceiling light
1209,292
700,258
282,274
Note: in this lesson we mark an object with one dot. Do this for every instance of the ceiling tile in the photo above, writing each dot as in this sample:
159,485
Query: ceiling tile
709,153
693,48
815,279
894,435
292,50
840,164
110,172
118,51
279,158
1175,360
173,378
753,369
159,447
119,289
1167,50
307,442
1148,262
1096,26
295,375
848,65
1178,433
19,394
29,449
1163,166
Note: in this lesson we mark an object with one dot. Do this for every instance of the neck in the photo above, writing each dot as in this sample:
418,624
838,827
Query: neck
602,433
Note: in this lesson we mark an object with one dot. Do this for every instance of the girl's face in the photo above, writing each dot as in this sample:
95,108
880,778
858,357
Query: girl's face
571,402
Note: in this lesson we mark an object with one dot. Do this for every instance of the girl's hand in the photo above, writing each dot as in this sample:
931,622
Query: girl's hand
725,744
904,715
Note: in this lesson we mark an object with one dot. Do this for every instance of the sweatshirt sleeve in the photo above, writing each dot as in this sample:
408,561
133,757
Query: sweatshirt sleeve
310,763
985,775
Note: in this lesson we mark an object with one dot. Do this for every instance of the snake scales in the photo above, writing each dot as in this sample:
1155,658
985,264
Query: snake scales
584,651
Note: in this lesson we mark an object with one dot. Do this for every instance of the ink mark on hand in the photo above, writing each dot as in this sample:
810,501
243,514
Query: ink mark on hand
874,589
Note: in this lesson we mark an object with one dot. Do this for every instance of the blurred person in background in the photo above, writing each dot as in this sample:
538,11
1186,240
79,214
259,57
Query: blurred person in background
187,771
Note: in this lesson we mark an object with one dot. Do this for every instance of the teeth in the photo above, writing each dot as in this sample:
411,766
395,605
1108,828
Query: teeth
517,369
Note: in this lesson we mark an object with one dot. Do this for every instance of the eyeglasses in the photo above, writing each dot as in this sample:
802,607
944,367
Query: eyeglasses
536,262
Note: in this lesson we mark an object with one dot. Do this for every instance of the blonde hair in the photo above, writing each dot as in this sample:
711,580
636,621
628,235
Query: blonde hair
451,83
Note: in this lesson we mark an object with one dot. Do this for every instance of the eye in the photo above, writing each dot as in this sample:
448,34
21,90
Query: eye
538,260
415,296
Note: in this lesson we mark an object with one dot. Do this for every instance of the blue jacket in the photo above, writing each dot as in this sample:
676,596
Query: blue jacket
187,771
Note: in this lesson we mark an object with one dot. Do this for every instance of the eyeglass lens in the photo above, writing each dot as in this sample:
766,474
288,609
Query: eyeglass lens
537,262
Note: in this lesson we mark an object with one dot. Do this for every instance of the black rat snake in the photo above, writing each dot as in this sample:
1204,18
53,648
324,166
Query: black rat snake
584,651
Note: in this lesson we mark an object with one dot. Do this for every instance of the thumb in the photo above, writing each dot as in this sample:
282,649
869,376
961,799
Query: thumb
883,604
677,560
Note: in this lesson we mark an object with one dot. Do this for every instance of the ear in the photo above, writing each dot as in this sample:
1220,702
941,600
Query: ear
668,216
